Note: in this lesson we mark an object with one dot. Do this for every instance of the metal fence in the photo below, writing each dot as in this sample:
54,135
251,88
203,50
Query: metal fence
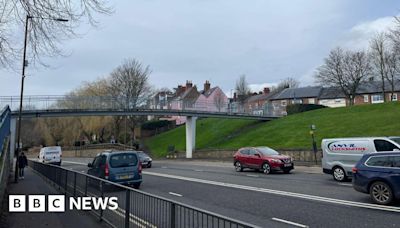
136,208
5,160
5,120
45,102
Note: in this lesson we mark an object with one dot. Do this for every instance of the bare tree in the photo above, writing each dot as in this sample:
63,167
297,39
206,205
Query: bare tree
242,89
394,35
344,69
393,61
130,88
286,83
45,32
379,57
219,100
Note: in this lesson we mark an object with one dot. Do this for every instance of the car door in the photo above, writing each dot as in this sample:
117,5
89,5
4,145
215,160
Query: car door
395,173
254,159
95,166
243,158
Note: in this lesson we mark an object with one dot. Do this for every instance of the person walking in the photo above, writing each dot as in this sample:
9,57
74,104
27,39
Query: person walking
22,162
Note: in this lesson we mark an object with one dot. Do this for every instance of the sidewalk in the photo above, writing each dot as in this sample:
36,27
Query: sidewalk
34,184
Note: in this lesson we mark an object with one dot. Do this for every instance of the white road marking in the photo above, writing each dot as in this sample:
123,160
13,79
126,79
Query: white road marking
175,194
282,193
164,167
78,163
278,192
198,170
289,222
344,184
252,175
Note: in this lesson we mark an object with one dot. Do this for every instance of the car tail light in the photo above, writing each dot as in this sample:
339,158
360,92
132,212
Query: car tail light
354,170
140,167
106,171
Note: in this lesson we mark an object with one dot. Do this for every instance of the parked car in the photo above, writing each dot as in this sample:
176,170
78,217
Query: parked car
145,159
378,175
50,155
339,155
262,158
122,167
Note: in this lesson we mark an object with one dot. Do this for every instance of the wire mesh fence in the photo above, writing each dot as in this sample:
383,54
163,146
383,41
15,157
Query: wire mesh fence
135,208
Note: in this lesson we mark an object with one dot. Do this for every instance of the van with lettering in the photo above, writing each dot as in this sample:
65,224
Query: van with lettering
339,155
50,155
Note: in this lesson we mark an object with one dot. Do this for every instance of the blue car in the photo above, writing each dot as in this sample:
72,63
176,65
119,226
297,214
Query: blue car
122,167
378,174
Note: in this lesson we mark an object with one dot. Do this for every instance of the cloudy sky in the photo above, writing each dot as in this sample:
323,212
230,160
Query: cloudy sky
215,40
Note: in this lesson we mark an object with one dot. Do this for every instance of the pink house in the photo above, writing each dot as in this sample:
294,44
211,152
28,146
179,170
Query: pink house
189,98
211,99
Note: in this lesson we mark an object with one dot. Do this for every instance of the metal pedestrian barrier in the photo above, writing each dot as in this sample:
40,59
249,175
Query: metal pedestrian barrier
135,208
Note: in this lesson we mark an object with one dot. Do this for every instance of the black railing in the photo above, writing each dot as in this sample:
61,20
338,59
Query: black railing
135,208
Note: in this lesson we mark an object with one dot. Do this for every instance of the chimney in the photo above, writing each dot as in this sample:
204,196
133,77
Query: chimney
207,86
189,84
266,90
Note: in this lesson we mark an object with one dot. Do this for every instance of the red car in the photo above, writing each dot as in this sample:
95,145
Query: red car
262,158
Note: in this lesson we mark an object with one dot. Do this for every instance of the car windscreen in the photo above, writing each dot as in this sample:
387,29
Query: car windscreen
143,155
395,139
267,151
123,160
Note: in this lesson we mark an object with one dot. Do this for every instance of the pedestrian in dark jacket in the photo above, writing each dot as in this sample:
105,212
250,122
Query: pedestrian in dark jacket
22,162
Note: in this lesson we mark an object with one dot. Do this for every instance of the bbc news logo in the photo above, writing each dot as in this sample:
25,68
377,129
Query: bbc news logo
57,203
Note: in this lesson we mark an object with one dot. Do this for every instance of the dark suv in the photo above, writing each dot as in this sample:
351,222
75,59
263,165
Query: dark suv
262,158
378,174
121,167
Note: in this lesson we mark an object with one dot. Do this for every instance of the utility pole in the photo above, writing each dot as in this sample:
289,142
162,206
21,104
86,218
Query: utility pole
24,64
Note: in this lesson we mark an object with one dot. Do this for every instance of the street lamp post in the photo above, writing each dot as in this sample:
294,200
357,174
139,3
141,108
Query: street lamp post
25,64
314,144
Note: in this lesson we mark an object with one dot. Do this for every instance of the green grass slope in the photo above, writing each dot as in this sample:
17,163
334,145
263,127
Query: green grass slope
291,132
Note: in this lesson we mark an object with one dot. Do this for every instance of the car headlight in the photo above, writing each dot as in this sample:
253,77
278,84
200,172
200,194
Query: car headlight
150,159
276,161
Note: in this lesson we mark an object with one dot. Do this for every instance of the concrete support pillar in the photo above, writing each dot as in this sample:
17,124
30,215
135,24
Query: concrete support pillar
190,135
13,131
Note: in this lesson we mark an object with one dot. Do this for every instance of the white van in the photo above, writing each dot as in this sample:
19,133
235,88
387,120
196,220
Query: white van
341,154
50,155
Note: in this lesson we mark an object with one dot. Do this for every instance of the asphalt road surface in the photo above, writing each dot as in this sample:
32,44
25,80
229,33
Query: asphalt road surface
304,198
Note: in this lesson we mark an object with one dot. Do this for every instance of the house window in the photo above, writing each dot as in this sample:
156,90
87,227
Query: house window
311,100
283,103
378,98
366,98
297,101
394,97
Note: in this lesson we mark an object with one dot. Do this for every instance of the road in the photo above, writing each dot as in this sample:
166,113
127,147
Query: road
305,198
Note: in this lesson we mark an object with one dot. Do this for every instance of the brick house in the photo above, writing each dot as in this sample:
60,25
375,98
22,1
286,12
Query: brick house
303,95
332,97
371,93
257,104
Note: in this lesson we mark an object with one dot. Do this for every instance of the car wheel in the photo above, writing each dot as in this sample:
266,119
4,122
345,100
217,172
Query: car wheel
149,165
238,167
339,174
381,193
266,168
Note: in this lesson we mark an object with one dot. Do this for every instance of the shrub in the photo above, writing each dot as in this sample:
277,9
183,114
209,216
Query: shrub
297,108
153,125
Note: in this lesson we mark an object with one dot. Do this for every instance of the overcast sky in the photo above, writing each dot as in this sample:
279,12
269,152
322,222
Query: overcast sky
215,40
